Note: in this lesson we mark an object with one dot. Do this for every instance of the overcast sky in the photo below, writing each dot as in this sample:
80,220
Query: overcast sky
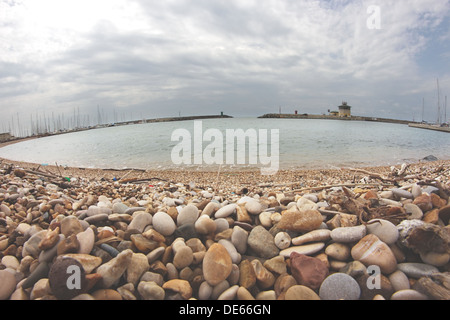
243,57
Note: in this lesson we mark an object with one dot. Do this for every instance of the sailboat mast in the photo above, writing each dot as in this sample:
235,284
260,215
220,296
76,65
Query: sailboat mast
423,107
439,104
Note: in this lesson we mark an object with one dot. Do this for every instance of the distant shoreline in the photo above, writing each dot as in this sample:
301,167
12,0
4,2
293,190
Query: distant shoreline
155,120
325,117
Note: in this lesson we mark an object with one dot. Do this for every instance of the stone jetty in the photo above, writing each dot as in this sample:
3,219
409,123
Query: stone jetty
353,234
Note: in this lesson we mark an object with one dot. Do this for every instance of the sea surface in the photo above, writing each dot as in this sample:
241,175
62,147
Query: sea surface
302,144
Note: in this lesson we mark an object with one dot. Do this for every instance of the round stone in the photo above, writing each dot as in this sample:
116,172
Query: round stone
417,270
299,292
372,251
182,287
67,278
304,221
187,215
183,257
408,294
306,249
70,225
413,211
217,264
86,240
308,271
338,251
399,281
385,230
205,225
400,193
226,211
106,295
149,290
262,243
348,234
140,221
282,240
253,206
7,284
239,239
339,286
435,258
312,236
163,223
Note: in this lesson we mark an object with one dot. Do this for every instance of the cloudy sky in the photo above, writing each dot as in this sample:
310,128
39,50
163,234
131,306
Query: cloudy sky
148,58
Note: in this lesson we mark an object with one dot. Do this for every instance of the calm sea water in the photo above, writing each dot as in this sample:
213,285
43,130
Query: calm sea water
304,144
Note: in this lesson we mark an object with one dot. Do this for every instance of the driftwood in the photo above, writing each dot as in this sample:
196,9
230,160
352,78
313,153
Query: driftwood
433,289
347,185
373,175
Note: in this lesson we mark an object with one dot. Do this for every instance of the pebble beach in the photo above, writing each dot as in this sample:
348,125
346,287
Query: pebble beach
377,233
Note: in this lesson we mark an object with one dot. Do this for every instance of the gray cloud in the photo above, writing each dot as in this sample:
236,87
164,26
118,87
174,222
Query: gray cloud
246,58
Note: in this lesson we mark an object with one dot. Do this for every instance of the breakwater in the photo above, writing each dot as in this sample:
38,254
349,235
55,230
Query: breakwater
429,127
325,117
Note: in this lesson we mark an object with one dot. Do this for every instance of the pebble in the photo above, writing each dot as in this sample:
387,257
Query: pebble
205,225
414,211
282,240
408,294
348,234
261,242
312,236
385,230
217,264
181,287
187,215
435,259
86,241
308,271
372,251
164,224
306,249
226,211
417,270
89,262
119,208
399,280
176,241
239,238
299,292
114,269
7,284
41,289
67,278
338,251
400,193
10,262
136,268
149,290
106,294
183,257
139,221
300,221
229,294
70,225
339,286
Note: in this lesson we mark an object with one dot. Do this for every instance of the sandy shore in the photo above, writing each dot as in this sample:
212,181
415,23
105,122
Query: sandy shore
252,179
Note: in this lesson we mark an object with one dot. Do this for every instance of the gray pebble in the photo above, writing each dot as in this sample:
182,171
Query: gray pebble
339,286
417,270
